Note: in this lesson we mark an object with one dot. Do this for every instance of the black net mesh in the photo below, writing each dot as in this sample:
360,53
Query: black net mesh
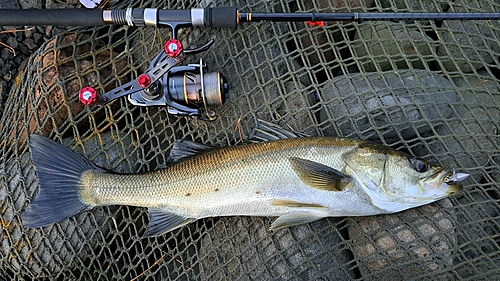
428,88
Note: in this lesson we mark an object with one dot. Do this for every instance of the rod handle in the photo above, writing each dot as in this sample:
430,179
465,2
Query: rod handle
61,17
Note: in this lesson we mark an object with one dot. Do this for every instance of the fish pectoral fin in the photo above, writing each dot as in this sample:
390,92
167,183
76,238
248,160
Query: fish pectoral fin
319,176
161,221
296,219
183,149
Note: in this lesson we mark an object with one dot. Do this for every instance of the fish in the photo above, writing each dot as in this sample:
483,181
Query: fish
280,173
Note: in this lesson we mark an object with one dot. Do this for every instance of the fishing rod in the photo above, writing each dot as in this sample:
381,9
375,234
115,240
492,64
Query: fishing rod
223,17
189,90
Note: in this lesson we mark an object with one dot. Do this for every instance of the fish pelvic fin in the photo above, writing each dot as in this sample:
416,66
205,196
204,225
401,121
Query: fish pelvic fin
306,213
319,176
59,170
294,219
161,221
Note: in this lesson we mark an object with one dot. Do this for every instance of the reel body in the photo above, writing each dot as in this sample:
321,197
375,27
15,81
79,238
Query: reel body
185,90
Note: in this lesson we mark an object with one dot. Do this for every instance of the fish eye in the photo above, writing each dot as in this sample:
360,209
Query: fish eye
419,165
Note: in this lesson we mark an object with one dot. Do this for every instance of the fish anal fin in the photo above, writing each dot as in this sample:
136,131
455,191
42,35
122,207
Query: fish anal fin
295,219
319,176
161,221
184,149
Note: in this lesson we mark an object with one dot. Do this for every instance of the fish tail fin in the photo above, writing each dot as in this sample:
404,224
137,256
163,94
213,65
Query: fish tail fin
59,171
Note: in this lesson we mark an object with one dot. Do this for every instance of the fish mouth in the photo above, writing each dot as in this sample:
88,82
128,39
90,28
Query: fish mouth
446,180
452,180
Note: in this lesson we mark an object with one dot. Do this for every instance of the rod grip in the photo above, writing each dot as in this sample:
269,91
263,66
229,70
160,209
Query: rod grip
224,17
60,17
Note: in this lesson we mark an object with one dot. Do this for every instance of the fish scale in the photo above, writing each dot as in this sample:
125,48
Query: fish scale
297,179
239,169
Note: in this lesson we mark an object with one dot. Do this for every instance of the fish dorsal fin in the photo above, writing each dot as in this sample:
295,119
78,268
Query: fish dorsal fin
266,131
183,149
319,176
161,221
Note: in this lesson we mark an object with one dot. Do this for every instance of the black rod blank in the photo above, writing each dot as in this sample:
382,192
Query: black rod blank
295,17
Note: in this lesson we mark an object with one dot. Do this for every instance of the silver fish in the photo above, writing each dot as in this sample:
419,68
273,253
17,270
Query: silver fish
298,179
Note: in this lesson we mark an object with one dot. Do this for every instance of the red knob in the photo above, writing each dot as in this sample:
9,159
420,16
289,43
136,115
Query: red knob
88,96
143,80
173,48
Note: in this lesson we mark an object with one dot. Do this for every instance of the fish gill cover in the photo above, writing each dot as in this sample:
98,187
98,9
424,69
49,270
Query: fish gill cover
427,88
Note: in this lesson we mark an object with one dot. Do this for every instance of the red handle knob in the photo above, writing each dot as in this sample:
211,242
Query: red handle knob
143,80
173,48
88,96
